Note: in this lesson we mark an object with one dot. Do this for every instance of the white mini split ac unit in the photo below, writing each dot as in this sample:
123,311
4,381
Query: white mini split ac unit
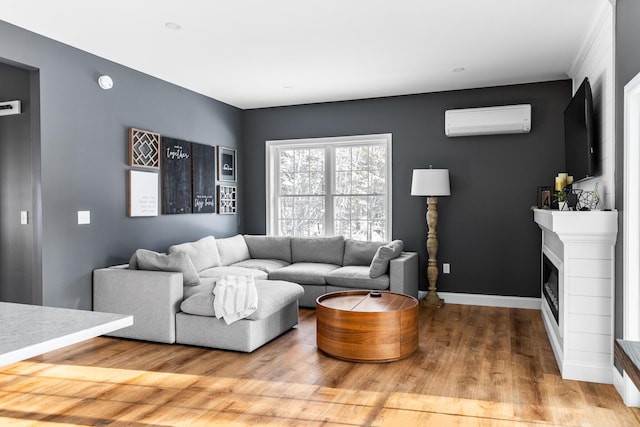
488,120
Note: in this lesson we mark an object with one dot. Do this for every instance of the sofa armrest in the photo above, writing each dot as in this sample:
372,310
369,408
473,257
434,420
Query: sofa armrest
152,297
403,274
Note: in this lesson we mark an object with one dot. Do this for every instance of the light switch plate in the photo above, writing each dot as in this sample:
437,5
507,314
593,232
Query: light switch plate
24,217
84,217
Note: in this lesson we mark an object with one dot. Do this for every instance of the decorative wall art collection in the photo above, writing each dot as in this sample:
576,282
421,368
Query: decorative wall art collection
188,175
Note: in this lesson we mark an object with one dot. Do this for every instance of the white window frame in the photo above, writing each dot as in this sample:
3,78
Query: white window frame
272,171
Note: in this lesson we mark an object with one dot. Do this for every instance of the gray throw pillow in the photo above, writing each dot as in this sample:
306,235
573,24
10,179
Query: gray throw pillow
133,262
203,253
384,254
178,262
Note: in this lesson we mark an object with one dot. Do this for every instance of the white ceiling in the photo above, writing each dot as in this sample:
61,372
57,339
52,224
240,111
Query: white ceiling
257,53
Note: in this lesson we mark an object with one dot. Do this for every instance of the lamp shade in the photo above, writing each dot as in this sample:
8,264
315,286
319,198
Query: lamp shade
430,182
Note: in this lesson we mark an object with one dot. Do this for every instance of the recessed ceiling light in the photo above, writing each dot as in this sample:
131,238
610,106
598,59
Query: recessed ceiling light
172,26
287,87
458,70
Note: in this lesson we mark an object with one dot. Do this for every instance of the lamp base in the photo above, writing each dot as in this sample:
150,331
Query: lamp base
433,300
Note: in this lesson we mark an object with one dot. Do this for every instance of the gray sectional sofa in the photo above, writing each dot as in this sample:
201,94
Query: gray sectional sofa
170,295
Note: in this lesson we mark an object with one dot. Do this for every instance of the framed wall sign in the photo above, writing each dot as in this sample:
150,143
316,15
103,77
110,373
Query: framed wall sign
227,164
227,199
143,194
176,176
144,148
203,171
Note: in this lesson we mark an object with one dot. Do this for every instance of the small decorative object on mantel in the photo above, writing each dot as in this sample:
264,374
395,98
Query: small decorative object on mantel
589,200
227,164
544,198
563,187
144,148
227,203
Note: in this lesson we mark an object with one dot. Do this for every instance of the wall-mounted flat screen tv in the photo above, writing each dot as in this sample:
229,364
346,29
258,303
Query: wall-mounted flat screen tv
579,134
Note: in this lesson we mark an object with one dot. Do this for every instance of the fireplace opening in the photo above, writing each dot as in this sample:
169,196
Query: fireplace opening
550,283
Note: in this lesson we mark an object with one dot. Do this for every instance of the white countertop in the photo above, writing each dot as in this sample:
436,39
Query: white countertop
30,330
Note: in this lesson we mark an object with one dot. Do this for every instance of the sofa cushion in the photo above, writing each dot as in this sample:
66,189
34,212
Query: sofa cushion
357,276
203,252
325,250
358,252
232,249
380,262
217,272
308,273
206,285
177,262
272,296
200,304
269,247
266,265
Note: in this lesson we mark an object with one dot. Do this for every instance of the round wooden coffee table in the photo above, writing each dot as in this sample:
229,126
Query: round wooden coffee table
356,326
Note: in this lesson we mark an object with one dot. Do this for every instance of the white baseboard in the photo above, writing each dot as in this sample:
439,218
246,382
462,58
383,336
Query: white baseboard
490,300
625,388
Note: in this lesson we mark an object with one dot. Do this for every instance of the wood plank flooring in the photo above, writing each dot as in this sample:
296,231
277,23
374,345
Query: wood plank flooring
475,366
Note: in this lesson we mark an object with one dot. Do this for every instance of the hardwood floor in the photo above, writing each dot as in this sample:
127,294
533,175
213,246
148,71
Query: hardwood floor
475,366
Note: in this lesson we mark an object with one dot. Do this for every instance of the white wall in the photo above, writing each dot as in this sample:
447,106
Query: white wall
595,61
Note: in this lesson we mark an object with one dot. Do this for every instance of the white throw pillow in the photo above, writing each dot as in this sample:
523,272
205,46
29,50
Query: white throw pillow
384,254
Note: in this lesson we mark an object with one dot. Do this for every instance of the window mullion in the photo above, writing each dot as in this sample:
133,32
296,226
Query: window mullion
329,187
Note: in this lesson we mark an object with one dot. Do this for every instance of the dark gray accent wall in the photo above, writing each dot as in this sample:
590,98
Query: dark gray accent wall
16,241
83,138
627,65
485,229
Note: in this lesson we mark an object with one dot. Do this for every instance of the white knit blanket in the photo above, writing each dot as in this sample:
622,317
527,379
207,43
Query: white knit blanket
235,298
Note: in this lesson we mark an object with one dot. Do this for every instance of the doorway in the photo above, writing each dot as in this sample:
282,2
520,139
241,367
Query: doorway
20,263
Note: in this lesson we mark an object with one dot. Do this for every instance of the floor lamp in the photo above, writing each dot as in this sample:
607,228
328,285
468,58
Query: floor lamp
431,183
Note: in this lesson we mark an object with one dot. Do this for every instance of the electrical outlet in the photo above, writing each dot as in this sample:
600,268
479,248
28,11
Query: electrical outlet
446,268
24,217
84,217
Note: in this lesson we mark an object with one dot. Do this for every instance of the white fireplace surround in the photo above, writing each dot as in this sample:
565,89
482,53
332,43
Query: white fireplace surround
581,247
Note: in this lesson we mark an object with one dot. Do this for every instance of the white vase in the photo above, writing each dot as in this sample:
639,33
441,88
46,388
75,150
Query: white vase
562,206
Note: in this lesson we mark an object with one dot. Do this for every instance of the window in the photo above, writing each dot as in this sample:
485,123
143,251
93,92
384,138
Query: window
330,186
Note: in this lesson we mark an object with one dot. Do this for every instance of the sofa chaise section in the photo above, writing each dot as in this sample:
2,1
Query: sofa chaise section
277,313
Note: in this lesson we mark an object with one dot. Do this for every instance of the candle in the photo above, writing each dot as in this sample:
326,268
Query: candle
563,176
559,185
570,179
563,180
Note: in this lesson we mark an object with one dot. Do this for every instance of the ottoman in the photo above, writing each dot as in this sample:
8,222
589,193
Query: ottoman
277,313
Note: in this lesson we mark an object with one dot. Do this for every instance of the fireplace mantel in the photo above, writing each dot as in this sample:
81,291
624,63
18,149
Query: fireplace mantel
599,226
581,246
